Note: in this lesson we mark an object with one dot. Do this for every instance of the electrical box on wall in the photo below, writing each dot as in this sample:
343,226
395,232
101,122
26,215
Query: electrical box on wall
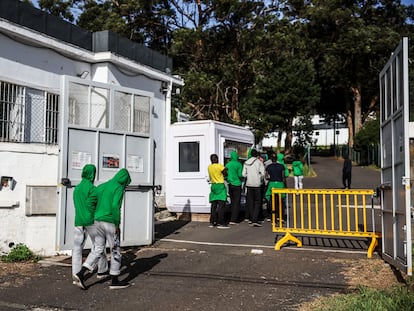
7,183
41,200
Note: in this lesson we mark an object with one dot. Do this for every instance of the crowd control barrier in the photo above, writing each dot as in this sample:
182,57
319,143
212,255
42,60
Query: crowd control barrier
328,212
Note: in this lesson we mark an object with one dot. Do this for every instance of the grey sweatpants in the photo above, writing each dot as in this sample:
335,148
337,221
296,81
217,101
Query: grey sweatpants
105,233
80,234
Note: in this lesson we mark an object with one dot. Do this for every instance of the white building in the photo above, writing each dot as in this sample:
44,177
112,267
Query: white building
190,145
69,97
324,134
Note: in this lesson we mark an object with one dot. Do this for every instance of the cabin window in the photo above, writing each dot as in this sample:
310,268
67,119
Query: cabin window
189,156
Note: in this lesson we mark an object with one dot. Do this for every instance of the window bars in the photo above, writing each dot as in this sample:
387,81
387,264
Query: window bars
28,115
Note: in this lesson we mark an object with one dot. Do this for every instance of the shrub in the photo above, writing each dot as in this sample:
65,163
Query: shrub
20,253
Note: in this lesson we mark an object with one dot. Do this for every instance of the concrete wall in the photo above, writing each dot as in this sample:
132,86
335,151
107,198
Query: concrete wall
29,165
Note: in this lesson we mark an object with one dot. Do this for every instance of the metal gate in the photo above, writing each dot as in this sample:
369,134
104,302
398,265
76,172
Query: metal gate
110,127
395,175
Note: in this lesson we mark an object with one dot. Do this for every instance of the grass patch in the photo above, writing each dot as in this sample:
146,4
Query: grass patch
20,253
308,171
367,299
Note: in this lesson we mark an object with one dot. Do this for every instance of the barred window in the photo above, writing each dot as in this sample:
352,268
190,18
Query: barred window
90,106
28,115
125,104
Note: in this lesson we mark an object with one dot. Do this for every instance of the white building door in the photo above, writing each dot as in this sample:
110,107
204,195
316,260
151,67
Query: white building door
395,176
109,127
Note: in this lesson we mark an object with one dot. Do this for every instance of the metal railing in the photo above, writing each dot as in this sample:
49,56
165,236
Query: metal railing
331,212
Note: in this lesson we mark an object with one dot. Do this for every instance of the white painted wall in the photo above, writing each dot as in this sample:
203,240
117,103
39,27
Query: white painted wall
38,61
32,164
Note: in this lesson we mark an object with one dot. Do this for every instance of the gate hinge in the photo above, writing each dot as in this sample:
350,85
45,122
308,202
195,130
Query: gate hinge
405,181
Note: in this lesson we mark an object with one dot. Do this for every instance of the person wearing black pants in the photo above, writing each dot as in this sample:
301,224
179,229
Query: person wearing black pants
235,197
234,180
254,171
347,172
254,200
218,193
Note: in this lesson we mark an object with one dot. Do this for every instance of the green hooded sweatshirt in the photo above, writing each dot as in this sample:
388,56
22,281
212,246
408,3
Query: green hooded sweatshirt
85,197
281,160
234,170
297,167
110,196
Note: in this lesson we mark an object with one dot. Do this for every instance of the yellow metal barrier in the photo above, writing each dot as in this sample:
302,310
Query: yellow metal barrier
323,212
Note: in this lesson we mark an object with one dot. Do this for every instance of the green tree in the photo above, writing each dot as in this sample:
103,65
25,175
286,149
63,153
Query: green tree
222,52
60,8
369,135
351,42
303,129
286,82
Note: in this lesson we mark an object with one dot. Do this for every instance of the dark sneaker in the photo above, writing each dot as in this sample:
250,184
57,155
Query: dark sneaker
256,224
119,285
102,275
79,280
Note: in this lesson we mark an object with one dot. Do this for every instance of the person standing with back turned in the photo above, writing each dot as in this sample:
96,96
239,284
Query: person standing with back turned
218,192
234,179
85,198
347,172
297,167
254,171
107,221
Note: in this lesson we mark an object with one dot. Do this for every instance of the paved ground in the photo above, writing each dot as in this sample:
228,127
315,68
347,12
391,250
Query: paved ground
193,267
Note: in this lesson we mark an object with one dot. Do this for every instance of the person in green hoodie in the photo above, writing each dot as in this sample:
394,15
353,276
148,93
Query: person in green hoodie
84,200
297,168
234,180
276,173
107,220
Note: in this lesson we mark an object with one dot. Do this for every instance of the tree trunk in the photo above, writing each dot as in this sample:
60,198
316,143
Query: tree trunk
357,109
350,128
288,139
235,116
279,138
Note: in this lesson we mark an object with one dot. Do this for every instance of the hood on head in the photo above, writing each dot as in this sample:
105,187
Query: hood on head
280,157
123,177
89,172
234,156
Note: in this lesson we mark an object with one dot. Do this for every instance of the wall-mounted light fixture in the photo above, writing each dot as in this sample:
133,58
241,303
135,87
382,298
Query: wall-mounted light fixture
164,87
83,75
7,182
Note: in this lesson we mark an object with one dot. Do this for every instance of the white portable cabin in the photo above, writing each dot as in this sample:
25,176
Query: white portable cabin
190,145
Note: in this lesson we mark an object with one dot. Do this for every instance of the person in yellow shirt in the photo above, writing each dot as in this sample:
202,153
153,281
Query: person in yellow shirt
218,193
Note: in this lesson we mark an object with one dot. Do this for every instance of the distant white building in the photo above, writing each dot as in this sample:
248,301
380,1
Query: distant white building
324,134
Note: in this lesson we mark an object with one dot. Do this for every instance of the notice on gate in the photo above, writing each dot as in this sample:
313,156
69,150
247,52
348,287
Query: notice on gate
110,161
80,159
135,163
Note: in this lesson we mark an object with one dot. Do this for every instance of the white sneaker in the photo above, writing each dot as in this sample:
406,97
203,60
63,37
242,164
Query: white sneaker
222,227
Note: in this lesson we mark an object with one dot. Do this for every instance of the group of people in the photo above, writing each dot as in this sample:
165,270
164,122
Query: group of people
259,176
97,215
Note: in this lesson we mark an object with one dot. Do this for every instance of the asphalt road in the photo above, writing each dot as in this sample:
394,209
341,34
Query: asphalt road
193,267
